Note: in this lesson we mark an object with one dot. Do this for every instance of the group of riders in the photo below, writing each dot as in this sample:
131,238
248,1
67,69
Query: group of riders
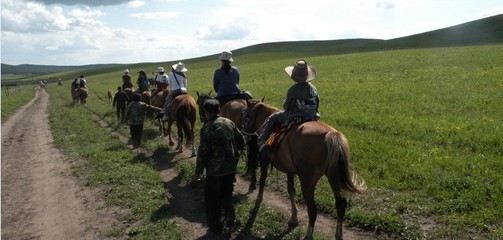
301,100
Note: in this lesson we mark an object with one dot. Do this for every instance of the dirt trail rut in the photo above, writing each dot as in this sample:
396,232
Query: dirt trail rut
40,197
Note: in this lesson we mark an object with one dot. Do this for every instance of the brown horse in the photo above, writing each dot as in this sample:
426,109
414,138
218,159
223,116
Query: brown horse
80,96
309,150
182,111
158,101
233,109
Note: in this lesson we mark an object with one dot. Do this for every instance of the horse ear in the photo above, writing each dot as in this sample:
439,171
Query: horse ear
210,92
263,99
197,93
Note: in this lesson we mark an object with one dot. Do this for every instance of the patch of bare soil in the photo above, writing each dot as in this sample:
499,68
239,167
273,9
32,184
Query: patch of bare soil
40,197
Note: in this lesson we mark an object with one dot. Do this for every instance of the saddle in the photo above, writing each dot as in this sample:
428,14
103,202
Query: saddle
281,129
241,95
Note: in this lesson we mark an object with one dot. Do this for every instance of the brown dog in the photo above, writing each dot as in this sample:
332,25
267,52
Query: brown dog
110,96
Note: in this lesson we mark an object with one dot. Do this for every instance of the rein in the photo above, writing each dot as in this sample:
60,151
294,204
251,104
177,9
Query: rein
246,120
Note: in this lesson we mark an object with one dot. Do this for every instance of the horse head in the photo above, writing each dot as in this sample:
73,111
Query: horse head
201,99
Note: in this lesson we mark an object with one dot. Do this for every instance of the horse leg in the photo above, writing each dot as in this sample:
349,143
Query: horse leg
341,203
293,221
308,193
168,132
251,167
179,132
263,176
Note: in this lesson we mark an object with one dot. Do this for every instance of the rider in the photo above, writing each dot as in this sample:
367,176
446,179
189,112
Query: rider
126,80
142,82
82,82
226,78
301,100
177,81
161,81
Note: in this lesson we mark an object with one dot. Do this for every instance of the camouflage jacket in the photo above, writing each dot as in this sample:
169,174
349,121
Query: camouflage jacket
136,111
302,100
219,143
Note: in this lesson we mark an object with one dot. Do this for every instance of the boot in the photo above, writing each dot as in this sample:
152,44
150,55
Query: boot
262,146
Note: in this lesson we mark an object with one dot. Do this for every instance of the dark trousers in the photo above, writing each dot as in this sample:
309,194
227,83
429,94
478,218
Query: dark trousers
121,113
136,132
217,197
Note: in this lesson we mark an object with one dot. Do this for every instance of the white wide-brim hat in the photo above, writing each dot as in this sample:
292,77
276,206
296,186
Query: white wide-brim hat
179,67
160,69
226,56
301,72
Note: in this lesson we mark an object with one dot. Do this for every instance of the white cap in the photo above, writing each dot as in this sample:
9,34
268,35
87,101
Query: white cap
126,71
160,69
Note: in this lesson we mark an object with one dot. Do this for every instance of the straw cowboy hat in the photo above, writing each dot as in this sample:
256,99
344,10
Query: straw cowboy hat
301,72
179,67
226,56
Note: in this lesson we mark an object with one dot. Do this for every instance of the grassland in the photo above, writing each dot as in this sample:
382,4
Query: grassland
425,128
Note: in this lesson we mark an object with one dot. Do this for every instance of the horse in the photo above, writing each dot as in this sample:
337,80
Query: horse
234,110
158,101
309,150
182,111
80,96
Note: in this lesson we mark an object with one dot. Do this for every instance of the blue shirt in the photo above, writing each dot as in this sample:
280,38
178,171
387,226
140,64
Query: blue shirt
226,83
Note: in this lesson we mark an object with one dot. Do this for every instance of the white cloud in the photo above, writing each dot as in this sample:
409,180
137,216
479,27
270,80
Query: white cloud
136,3
491,12
156,15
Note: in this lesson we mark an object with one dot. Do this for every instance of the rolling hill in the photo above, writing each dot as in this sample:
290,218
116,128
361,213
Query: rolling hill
479,32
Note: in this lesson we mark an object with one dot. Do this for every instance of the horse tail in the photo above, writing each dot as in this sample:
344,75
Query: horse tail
338,166
183,114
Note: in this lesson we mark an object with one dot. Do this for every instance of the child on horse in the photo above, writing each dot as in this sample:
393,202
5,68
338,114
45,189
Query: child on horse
302,100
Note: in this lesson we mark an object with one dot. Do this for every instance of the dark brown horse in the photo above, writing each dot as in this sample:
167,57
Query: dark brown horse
309,150
182,111
80,96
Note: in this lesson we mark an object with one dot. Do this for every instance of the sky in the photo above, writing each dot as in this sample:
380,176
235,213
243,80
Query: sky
81,32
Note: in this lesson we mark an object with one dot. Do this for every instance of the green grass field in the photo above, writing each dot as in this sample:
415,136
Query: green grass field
425,129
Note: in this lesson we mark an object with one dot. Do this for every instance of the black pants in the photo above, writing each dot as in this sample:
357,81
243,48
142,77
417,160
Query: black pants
217,197
121,113
136,133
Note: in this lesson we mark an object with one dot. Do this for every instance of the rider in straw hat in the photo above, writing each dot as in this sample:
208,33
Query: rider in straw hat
177,81
301,100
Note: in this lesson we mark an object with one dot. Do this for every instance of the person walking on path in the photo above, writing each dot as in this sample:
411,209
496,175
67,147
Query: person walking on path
220,142
120,102
135,116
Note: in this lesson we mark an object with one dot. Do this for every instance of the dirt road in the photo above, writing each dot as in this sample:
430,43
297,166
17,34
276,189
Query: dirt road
40,197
